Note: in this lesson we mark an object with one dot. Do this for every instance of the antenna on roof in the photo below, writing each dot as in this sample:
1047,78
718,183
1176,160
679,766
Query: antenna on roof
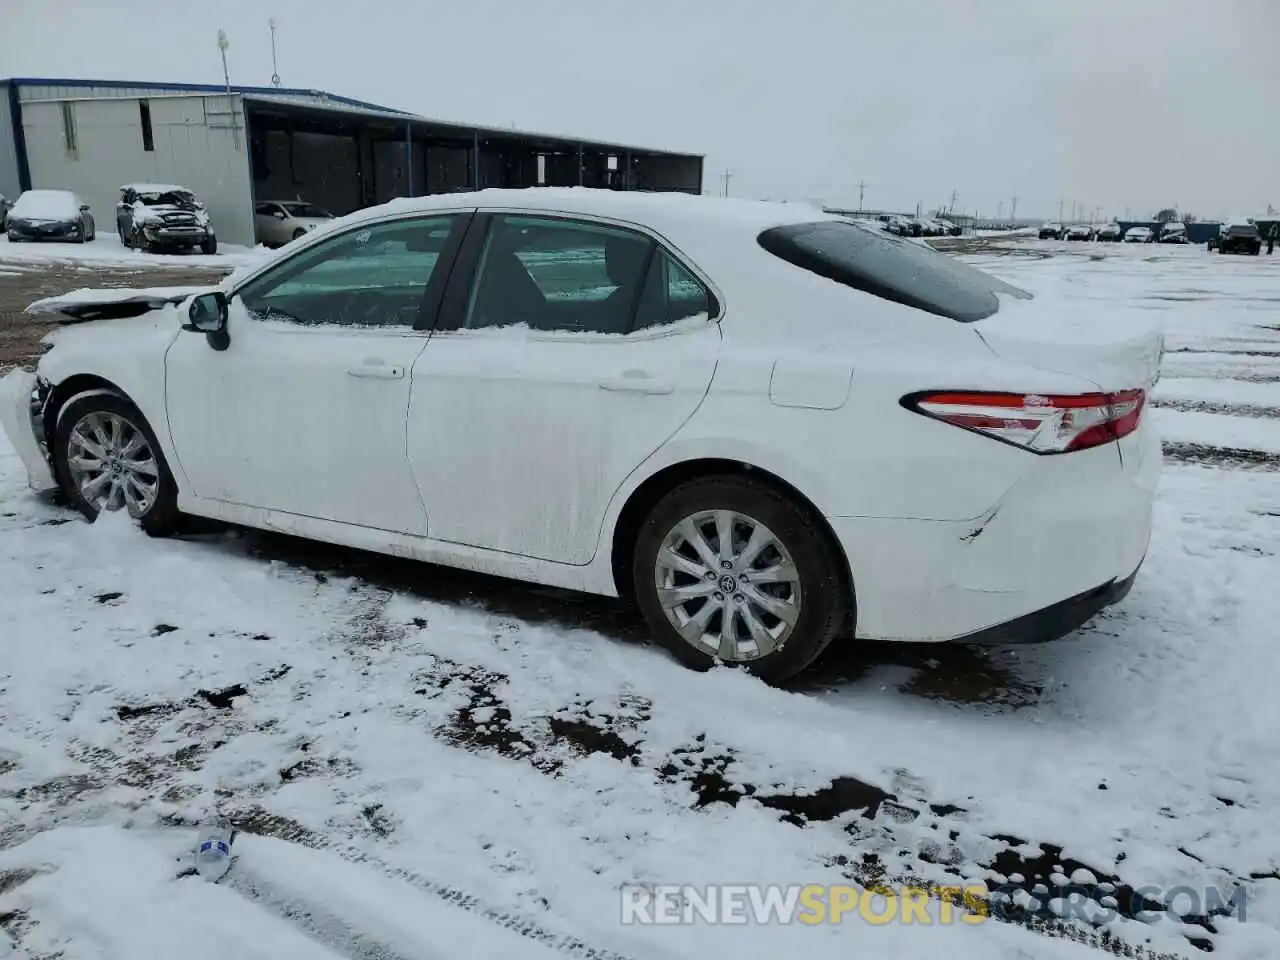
275,66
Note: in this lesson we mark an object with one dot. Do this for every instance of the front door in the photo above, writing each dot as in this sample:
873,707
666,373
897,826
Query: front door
574,351
305,411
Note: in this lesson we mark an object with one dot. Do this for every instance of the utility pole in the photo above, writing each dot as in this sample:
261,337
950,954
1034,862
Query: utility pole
1000,210
726,177
275,64
223,44
862,186
1013,212
952,206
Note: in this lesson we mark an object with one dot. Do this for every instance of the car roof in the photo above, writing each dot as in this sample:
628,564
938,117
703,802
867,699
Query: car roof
655,210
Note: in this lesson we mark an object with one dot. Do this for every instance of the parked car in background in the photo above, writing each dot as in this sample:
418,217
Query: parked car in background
727,471
50,215
949,229
1080,231
277,222
1237,236
1051,230
1110,232
1173,232
5,204
159,217
1138,235
899,226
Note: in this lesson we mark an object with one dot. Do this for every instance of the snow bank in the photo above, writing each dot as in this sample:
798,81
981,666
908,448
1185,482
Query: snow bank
106,249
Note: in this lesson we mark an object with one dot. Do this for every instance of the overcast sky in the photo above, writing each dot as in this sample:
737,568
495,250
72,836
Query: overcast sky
1118,104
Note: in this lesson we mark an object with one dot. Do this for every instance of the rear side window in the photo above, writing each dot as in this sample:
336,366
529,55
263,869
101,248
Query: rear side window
889,267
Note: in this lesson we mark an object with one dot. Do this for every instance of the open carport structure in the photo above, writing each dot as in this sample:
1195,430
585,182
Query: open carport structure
237,146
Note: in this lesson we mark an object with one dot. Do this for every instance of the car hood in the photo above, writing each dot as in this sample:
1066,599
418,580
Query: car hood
81,306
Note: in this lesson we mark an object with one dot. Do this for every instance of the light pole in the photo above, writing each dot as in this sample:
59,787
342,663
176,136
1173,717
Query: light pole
223,44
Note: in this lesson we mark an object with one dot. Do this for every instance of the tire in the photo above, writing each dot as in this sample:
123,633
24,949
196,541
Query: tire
299,234
209,246
158,513
816,597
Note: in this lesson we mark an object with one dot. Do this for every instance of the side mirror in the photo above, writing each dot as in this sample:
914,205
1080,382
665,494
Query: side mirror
279,214
208,315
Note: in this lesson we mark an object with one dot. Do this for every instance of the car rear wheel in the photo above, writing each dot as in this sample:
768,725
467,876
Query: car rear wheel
299,234
107,458
209,246
730,570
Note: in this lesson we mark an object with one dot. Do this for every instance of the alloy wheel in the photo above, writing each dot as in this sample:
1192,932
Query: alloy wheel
728,585
112,464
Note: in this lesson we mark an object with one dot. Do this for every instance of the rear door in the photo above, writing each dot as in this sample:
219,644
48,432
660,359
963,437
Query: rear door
569,350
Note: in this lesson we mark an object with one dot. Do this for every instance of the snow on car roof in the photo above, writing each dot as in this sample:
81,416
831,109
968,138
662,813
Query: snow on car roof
155,188
642,207
53,204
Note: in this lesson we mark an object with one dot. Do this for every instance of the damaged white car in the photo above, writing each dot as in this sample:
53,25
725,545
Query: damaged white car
768,425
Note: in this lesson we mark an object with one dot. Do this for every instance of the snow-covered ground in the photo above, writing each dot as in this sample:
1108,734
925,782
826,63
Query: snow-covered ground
106,249
458,778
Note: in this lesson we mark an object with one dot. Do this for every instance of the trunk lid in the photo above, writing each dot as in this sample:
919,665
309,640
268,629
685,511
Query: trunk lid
1113,352
82,306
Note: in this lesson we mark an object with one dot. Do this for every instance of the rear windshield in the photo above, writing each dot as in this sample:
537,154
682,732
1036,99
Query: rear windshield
889,267
1242,229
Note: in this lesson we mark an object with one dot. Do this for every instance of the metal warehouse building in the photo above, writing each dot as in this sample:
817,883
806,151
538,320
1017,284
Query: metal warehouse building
238,146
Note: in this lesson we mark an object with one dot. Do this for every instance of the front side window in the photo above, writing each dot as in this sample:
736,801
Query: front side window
554,274
375,276
889,267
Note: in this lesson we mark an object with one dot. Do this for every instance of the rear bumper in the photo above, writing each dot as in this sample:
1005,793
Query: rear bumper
18,395
1057,620
1059,545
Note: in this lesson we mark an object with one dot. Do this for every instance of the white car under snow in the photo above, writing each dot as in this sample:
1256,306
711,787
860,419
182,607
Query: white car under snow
767,424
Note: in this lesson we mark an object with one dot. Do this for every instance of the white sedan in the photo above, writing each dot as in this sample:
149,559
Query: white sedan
277,222
768,425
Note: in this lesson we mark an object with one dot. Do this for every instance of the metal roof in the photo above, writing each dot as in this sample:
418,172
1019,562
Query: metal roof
285,97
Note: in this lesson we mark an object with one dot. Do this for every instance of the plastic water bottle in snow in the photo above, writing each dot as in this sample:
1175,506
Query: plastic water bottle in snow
213,850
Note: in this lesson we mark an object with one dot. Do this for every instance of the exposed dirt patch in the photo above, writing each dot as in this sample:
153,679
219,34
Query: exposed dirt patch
1233,457
1216,406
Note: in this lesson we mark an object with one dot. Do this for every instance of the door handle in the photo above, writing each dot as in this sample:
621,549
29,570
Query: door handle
376,369
636,381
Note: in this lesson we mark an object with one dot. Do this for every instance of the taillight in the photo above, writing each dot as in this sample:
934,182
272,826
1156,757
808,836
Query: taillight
1041,424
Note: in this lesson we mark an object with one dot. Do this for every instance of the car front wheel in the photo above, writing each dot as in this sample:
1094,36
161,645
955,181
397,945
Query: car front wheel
730,570
107,458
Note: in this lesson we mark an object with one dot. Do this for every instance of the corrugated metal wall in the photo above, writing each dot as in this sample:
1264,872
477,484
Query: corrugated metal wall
9,184
195,145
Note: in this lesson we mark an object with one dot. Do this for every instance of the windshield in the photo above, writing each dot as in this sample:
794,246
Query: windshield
890,267
308,211
169,198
